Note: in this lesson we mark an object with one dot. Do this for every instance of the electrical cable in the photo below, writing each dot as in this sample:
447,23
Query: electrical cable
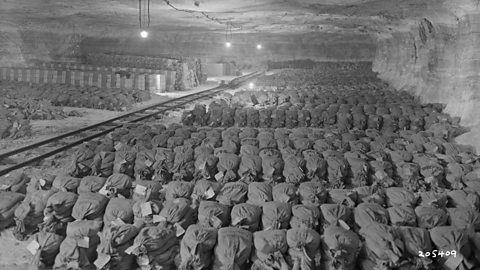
203,13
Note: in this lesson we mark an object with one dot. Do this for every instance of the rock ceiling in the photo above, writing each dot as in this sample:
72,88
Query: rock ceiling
335,19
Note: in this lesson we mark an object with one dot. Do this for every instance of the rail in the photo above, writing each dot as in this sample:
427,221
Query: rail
114,123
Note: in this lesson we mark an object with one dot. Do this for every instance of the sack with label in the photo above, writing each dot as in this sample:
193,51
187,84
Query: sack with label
303,248
91,184
337,215
155,248
227,167
213,214
341,248
259,193
276,215
196,247
250,168
78,250
114,241
90,206
270,250
177,214
246,216
29,214
118,209
44,247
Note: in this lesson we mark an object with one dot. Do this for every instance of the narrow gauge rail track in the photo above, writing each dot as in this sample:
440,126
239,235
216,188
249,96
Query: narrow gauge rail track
104,127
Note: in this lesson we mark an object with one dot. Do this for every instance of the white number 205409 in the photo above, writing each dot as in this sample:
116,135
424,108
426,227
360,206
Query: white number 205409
435,253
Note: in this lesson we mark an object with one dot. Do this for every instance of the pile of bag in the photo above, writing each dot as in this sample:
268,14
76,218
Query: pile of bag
46,95
196,197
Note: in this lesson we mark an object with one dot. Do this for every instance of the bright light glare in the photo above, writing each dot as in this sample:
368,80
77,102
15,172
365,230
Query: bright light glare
144,34
228,44
259,46
251,85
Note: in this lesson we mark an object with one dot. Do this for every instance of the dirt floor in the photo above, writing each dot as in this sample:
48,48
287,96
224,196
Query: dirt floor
13,253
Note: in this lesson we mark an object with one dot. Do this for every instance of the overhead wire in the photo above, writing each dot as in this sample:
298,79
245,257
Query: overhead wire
204,14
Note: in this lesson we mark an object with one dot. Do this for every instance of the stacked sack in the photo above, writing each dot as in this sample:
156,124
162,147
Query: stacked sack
196,197
115,99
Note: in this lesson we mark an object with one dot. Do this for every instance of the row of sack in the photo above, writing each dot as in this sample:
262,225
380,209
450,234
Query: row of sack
114,99
90,195
212,154
221,115
175,215
126,246
330,76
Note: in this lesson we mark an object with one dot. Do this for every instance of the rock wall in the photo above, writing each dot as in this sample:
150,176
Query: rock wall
22,47
10,52
209,45
438,59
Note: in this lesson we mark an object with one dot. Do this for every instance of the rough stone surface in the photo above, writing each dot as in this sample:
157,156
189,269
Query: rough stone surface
325,29
437,59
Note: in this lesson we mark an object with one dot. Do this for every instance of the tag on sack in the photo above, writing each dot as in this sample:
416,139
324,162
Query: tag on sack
343,224
118,146
33,247
83,242
102,260
148,163
236,221
131,249
158,219
454,261
202,166
118,222
103,191
141,190
4,187
209,193
42,182
219,176
146,209
180,229
216,222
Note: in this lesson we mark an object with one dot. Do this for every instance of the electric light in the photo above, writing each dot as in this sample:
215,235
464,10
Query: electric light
251,85
144,34
228,44
259,46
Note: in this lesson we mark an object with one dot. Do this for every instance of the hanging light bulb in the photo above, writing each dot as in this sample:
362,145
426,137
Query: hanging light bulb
251,85
228,36
144,17
144,34
259,46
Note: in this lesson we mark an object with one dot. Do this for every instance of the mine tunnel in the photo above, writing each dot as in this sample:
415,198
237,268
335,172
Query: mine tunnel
236,135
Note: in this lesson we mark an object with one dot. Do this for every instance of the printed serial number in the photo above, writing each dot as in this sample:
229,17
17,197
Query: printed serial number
435,253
